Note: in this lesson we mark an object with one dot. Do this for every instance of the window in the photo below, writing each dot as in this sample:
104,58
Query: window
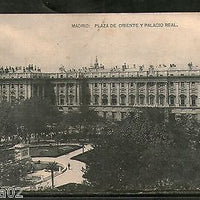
104,84
151,100
113,115
114,100
21,86
96,100
12,86
182,100
151,84
4,98
162,100
71,99
122,84
123,114
172,100
141,100
113,84
4,86
95,85
141,84
193,100
104,100
132,84
171,84
193,83
62,100
182,84
21,97
131,99
71,85
123,100
13,99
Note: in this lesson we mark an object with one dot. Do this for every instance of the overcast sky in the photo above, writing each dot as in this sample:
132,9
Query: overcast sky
49,41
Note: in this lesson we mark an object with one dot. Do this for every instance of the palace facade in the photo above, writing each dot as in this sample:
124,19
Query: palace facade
113,93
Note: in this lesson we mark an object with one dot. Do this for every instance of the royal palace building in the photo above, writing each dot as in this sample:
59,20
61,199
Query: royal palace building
113,92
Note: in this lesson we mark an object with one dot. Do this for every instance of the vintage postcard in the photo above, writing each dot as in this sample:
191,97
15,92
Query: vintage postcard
99,104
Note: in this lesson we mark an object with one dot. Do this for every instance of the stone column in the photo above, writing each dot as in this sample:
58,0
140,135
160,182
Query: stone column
127,94
198,94
146,98
136,94
78,94
100,95
118,93
91,93
166,101
188,94
156,94
177,93
109,94
29,91
57,94
9,93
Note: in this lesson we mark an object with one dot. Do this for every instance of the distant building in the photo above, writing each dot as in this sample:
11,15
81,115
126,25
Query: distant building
112,92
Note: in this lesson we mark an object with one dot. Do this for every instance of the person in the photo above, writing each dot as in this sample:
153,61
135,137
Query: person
83,147
69,167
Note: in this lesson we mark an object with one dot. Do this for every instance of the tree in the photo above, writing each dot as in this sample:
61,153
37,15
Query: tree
7,125
52,167
13,172
34,116
152,148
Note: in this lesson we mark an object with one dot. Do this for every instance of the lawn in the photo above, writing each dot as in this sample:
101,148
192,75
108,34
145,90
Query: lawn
52,151
83,157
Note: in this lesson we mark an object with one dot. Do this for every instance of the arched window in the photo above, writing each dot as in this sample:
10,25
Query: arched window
172,100
182,100
13,99
193,100
104,99
151,99
4,98
161,100
21,97
96,99
131,99
123,99
141,99
113,99
62,100
71,100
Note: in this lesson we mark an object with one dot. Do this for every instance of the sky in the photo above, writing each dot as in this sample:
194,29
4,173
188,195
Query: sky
49,40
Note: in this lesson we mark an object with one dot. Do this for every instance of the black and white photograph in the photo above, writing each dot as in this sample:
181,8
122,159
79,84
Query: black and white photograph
99,104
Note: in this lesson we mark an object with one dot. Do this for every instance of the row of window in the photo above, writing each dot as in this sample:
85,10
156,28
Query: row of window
182,84
151,100
12,86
